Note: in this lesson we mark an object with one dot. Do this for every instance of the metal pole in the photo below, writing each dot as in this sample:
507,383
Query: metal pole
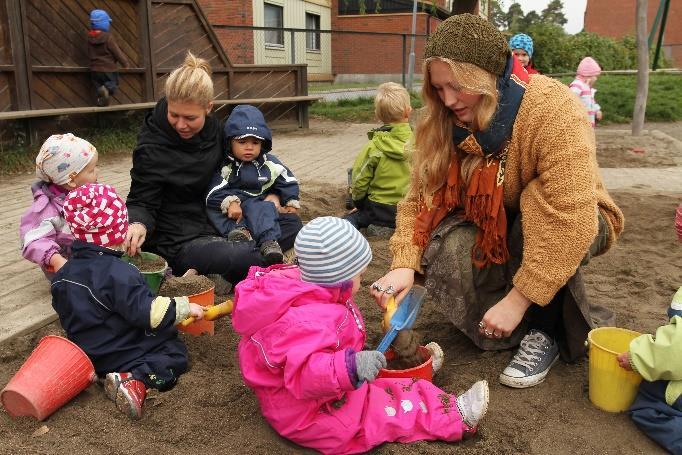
410,70
403,62
660,35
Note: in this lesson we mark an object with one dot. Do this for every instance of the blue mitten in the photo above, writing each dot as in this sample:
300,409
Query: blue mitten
368,364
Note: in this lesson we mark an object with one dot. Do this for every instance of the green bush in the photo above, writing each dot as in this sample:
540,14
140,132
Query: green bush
615,94
558,52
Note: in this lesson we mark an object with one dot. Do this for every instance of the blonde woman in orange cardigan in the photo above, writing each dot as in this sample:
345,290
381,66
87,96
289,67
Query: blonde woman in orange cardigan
506,203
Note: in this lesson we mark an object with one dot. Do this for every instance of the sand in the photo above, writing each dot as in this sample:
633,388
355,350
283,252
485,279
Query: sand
211,411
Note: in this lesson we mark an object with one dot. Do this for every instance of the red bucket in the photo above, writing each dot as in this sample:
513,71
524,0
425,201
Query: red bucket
423,371
206,298
56,371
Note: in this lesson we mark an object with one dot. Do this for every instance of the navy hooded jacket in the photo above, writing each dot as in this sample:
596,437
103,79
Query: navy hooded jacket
248,179
104,305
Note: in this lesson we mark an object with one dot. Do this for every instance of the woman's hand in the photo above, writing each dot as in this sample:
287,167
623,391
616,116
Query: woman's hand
234,211
397,281
134,239
501,320
624,361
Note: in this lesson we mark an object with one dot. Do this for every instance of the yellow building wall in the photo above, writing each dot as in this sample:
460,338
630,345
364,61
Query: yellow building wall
294,12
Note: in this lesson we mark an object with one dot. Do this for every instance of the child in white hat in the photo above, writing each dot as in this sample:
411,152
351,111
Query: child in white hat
302,353
63,163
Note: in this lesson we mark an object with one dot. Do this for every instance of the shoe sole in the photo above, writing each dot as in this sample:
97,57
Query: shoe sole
123,404
111,388
527,381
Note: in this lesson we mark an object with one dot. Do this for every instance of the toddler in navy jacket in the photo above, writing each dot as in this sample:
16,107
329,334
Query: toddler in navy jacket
107,309
246,198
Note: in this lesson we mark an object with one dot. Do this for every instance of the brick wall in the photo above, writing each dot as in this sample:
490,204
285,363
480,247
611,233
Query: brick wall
376,54
238,44
601,19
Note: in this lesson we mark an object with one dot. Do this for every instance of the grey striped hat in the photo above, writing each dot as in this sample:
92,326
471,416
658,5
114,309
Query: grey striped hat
330,250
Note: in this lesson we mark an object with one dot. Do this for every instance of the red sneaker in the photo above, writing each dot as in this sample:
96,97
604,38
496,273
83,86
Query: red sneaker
128,393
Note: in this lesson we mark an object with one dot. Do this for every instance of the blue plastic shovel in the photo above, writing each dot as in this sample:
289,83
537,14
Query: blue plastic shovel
404,316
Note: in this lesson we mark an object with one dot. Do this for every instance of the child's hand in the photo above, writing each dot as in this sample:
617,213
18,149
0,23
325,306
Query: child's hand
234,211
599,115
624,361
196,311
288,210
57,261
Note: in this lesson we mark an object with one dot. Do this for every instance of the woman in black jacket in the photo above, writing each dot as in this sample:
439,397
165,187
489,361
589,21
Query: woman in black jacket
178,150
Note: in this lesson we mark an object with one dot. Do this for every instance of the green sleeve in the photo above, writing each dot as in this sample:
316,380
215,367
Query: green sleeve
658,357
363,172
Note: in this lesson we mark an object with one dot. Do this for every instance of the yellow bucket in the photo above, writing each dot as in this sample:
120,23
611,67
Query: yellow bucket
612,388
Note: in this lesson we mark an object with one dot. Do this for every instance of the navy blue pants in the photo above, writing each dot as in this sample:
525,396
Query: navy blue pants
213,254
260,217
109,80
370,212
658,420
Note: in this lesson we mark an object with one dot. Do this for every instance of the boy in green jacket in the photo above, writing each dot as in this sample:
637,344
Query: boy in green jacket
381,172
657,410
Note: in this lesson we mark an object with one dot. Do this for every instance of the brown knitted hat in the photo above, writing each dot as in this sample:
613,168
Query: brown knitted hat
471,39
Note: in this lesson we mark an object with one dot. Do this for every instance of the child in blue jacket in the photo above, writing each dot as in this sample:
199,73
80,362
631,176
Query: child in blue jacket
246,198
107,309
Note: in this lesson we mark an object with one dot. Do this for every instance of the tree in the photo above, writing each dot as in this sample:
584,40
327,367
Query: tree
553,14
514,18
642,70
530,19
497,16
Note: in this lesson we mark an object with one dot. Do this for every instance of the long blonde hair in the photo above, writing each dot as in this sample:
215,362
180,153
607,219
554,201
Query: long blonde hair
433,144
191,82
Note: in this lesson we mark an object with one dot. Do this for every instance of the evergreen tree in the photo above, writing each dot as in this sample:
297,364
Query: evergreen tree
497,16
514,18
553,14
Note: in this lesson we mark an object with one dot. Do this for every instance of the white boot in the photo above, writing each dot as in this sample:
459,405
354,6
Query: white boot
437,356
473,404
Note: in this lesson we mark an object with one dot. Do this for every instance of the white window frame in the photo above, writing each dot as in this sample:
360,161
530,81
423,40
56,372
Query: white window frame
312,39
274,38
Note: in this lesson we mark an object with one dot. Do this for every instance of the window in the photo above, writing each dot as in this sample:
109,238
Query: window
312,39
274,17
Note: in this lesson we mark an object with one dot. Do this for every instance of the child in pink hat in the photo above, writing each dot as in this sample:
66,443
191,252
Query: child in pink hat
107,309
586,75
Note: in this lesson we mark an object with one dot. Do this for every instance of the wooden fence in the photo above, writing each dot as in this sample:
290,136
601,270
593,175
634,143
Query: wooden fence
44,62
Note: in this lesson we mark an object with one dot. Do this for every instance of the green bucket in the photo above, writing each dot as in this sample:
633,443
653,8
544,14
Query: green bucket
154,277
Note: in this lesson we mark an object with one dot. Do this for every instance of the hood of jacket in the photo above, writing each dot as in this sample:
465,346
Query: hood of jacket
97,37
246,120
390,139
267,293
157,131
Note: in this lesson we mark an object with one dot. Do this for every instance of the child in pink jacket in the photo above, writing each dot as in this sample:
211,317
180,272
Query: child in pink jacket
301,353
64,163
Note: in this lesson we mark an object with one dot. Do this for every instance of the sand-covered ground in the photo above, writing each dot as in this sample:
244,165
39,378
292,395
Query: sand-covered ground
211,411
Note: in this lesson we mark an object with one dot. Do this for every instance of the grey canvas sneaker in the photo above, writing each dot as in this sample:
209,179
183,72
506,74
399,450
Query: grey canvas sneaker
536,355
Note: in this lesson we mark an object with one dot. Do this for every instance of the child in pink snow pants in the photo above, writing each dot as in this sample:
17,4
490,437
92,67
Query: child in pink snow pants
301,353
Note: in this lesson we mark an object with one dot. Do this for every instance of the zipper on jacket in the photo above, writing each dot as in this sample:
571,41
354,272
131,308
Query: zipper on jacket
355,316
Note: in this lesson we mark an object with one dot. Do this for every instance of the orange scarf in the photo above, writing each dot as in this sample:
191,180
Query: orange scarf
483,205
483,202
